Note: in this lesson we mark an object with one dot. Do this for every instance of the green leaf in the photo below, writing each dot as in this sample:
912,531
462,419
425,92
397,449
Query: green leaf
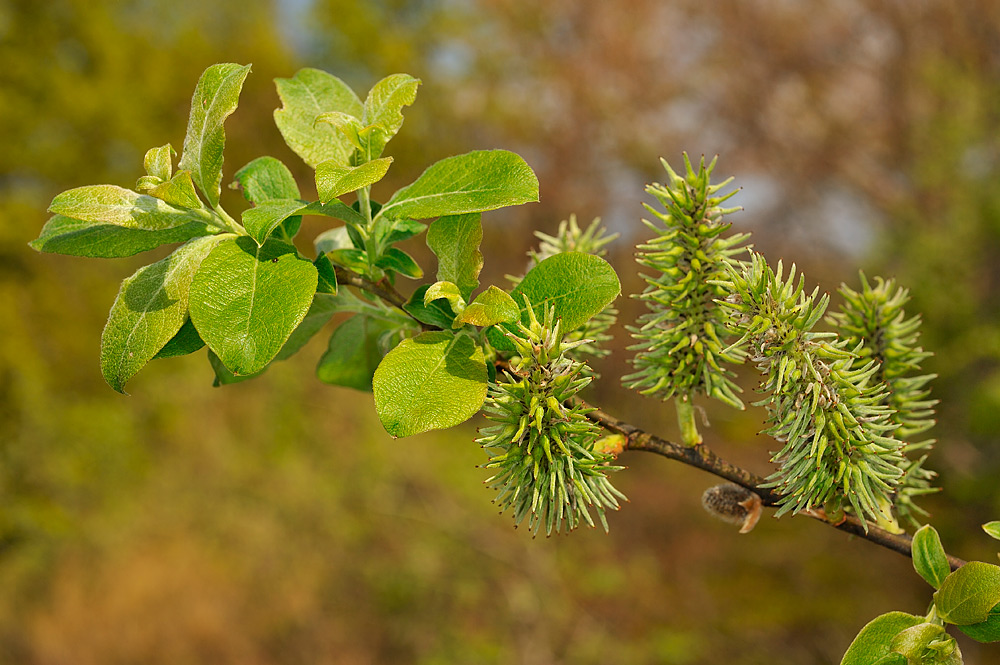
246,300
446,290
333,179
437,313
265,217
223,375
215,98
401,262
348,126
150,309
159,162
929,558
306,96
384,109
111,204
474,182
74,237
967,595
403,229
322,309
577,285
178,191
354,260
186,341
490,307
337,210
335,238
992,529
353,353
927,644
266,178
985,631
435,380
455,240
327,275
874,642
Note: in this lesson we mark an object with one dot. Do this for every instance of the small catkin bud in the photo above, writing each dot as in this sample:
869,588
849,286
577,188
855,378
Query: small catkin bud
734,504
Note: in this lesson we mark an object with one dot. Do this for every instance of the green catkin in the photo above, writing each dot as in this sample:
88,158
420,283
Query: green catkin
824,403
874,323
545,454
682,344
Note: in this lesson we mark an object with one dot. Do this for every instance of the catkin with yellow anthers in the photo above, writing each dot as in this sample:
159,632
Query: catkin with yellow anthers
550,465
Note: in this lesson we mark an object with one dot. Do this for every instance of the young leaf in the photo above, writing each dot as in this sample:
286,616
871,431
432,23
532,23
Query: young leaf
333,180
265,217
967,595
929,557
150,309
447,291
401,262
402,229
246,300
111,204
186,341
354,260
353,353
348,126
874,642
490,307
215,98
435,380
992,529
927,643
437,313
383,109
337,210
304,97
455,240
985,631
178,191
266,178
158,162
74,237
474,182
327,274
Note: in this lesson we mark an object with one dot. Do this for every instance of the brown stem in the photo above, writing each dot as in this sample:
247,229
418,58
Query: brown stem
702,457
381,289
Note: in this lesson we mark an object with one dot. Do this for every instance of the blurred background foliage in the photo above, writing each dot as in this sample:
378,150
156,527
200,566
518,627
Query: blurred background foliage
275,522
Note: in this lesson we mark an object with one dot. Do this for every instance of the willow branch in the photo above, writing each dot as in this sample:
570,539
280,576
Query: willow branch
702,457
381,289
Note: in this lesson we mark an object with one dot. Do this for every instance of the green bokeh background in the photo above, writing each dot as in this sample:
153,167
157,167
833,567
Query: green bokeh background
275,522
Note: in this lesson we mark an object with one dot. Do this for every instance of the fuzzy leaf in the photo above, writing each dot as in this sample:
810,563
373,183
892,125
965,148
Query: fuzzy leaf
333,179
446,290
215,98
348,126
992,529
967,595
384,109
150,309
929,559
435,380
74,237
158,162
455,240
474,182
436,313
265,217
186,341
490,307
874,642
178,191
353,353
305,97
246,300
111,204
266,178
985,631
